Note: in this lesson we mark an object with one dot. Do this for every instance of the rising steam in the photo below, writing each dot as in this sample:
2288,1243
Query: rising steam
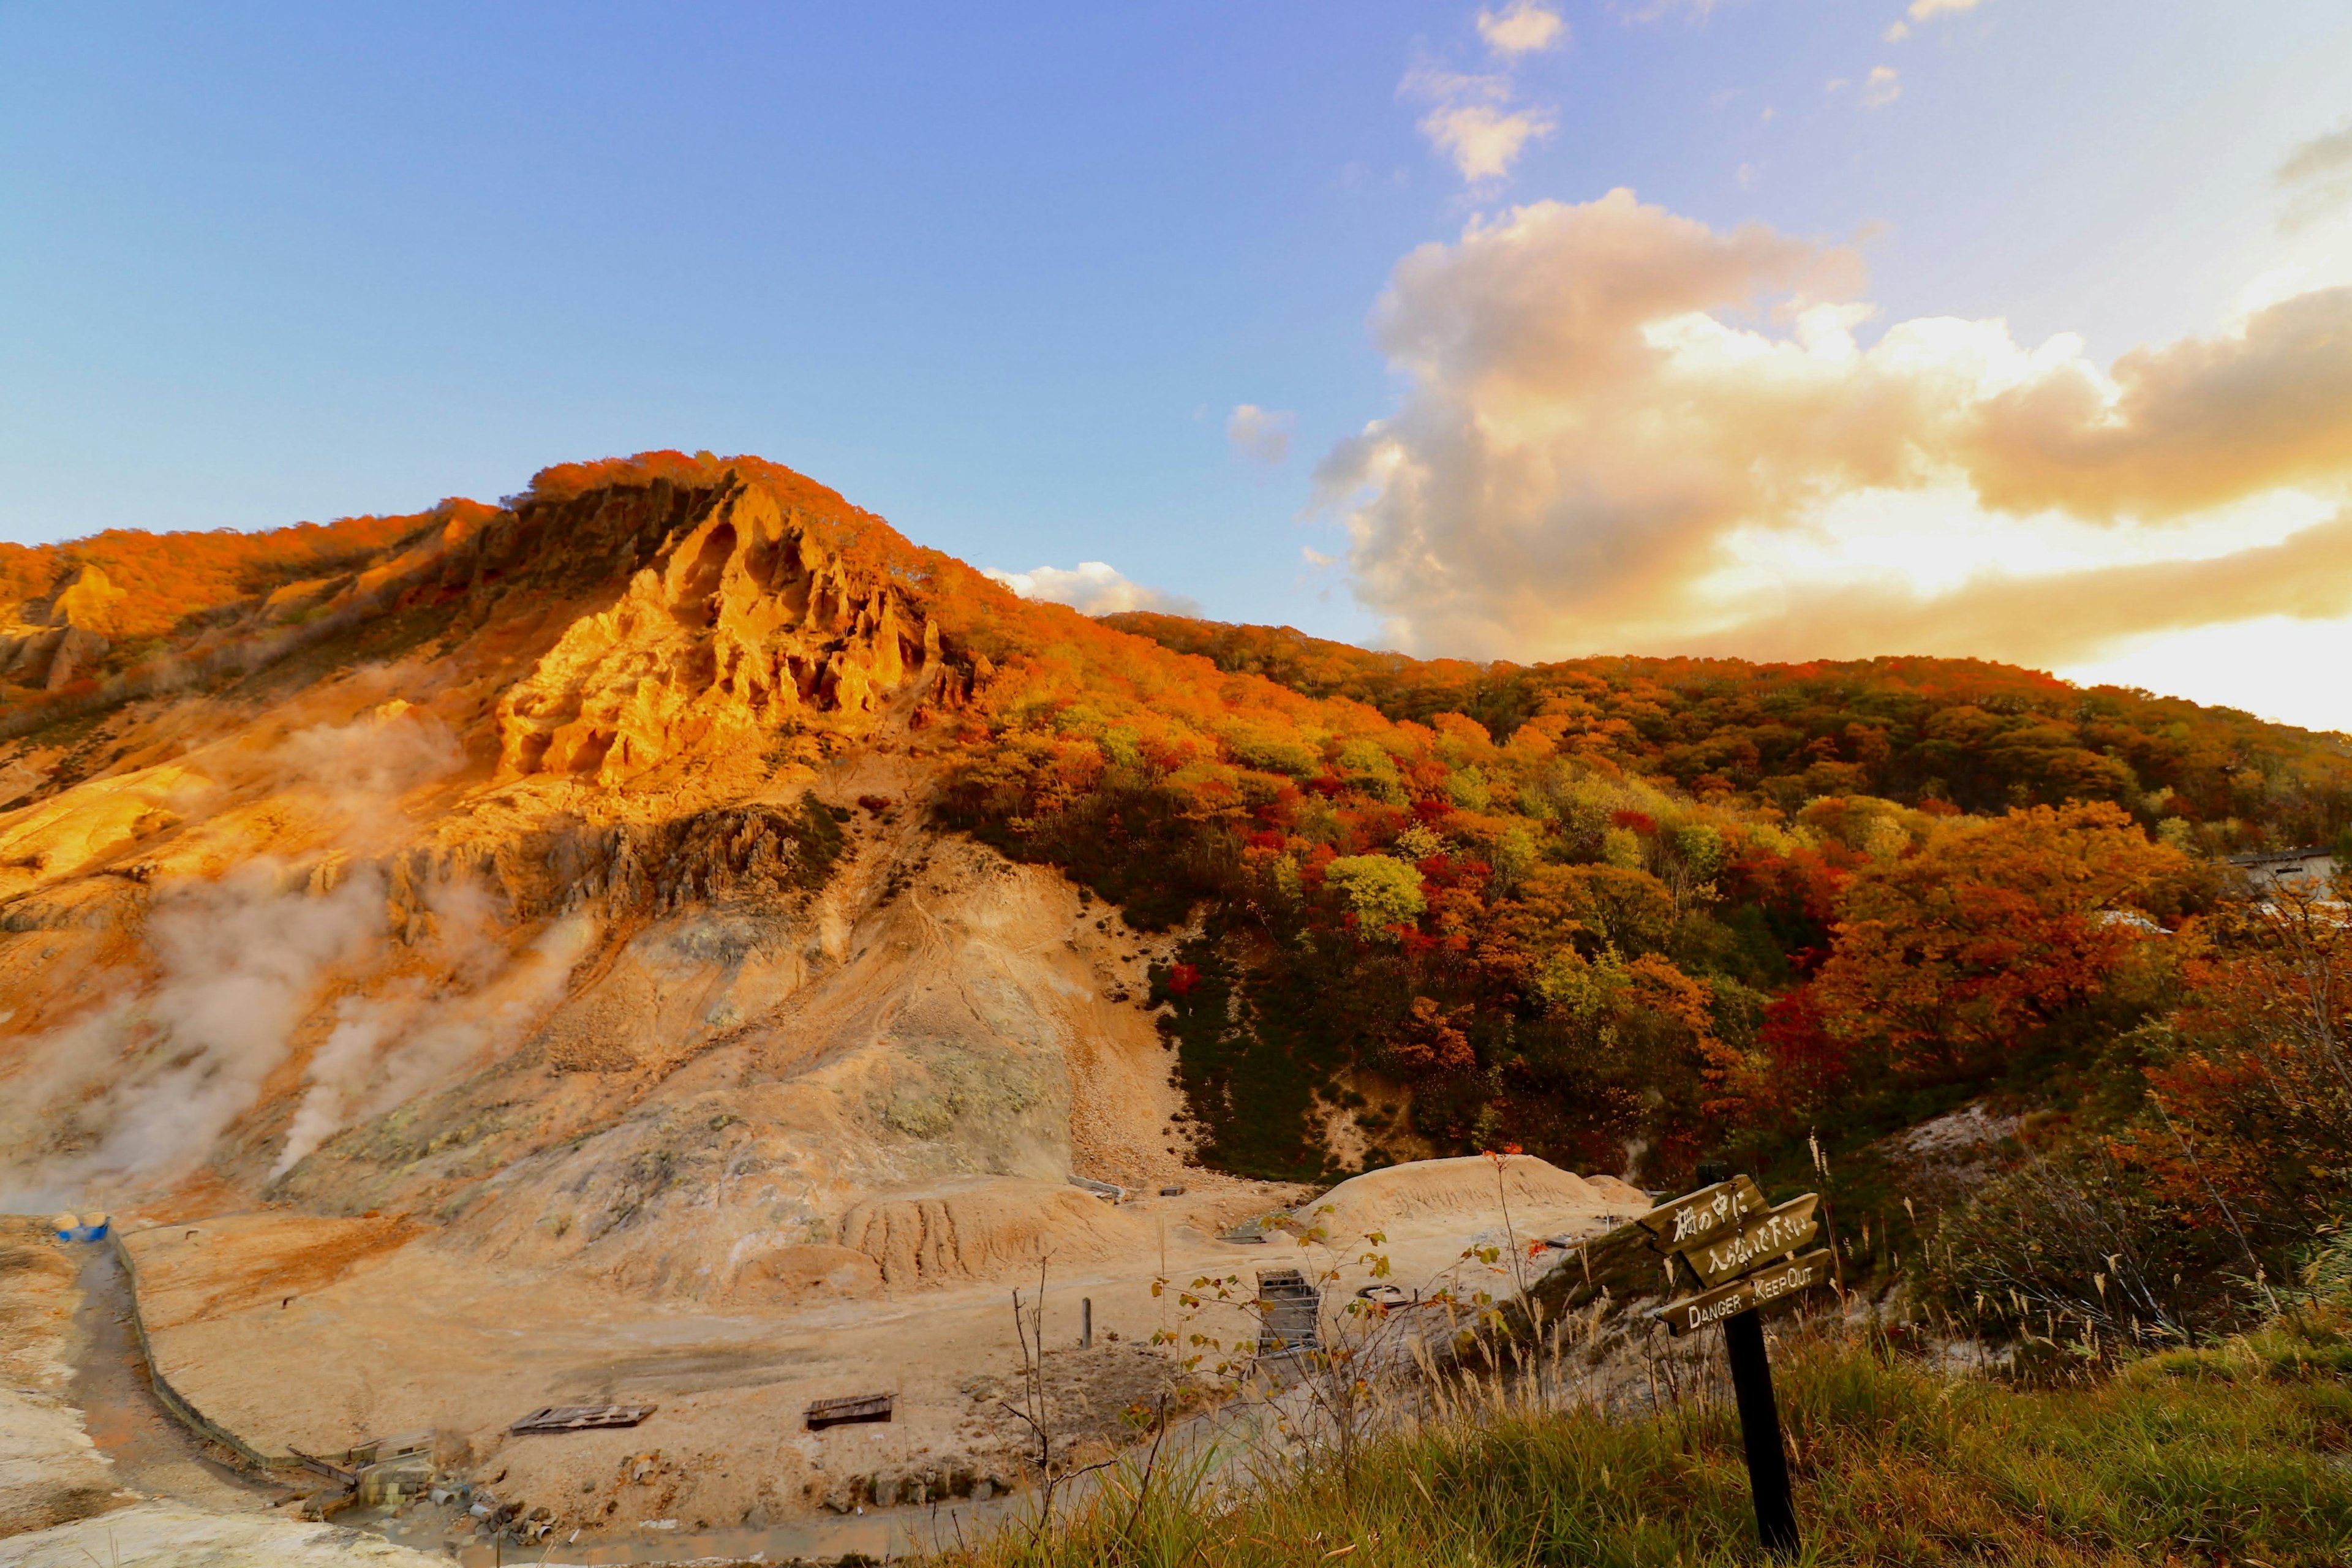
142,1089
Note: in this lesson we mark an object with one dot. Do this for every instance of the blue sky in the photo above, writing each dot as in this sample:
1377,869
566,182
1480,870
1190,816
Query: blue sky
1004,275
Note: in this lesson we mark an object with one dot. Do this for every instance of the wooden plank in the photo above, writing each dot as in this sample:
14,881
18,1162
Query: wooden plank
842,1411
1769,1287
1709,1212
581,1417
1758,1240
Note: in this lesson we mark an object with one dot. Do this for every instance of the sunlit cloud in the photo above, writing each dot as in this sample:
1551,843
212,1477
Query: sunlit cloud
1927,10
1881,87
1625,431
1483,141
1523,27
1472,122
1093,588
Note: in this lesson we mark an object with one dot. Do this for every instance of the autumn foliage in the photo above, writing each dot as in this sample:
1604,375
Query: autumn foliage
166,578
1941,734
1944,958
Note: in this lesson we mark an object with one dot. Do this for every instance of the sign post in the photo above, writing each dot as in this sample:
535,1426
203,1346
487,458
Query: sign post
1759,1431
1738,1250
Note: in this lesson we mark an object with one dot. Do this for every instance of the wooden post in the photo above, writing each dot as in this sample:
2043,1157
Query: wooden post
1759,1431
1086,1322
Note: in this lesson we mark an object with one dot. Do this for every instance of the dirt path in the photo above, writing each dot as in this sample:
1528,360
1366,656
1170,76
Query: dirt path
152,1452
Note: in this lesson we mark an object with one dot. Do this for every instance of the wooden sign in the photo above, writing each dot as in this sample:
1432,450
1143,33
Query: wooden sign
1762,1289
1709,1213
1758,1239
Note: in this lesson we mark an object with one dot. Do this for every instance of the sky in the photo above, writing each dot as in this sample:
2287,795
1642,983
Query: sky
1774,328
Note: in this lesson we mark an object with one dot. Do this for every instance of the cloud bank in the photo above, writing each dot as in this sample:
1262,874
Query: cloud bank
1625,431
1092,588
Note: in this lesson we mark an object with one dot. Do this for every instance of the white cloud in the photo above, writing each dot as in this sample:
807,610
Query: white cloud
1522,27
1882,87
1483,142
1261,433
2318,175
1436,84
1093,588
1595,453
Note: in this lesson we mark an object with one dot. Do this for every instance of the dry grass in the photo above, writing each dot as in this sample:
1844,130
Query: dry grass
2241,1454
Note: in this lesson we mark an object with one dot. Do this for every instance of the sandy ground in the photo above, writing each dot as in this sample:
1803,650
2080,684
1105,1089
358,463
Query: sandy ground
413,1338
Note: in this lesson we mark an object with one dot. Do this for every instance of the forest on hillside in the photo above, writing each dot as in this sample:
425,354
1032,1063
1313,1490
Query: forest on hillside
1966,732
1628,913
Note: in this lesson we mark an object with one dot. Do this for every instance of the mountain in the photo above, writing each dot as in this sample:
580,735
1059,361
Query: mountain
633,940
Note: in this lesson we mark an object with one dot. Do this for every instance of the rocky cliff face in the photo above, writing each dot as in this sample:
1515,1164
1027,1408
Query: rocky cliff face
60,637
749,626
562,876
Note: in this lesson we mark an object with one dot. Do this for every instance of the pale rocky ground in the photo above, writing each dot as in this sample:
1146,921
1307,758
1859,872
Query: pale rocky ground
422,1337
176,1535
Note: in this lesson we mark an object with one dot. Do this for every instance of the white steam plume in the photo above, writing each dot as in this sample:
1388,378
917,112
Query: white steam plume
138,1089
150,1082
412,1033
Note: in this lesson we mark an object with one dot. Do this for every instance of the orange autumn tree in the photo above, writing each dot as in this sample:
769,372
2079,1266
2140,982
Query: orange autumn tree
1944,959
2250,1102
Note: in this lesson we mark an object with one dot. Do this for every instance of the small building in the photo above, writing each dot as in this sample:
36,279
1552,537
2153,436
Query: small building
2306,871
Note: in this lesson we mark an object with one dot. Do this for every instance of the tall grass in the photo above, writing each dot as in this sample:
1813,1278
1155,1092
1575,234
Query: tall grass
2238,1454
